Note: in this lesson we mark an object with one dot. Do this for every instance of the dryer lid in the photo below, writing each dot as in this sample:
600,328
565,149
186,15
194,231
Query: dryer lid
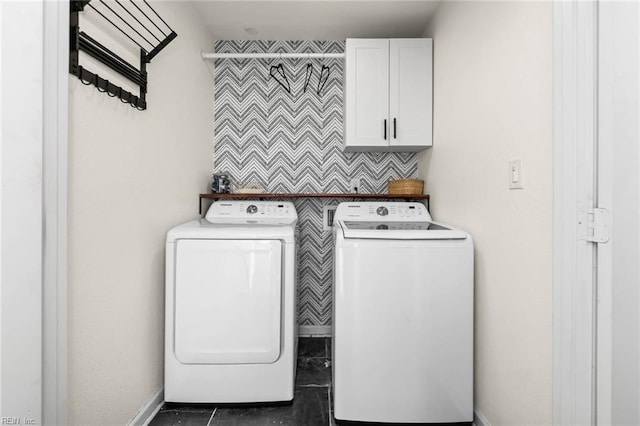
204,230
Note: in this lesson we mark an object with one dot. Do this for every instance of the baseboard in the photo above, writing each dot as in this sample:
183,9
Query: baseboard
479,419
314,330
148,410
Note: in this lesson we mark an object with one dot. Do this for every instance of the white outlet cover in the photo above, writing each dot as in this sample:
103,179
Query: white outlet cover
354,186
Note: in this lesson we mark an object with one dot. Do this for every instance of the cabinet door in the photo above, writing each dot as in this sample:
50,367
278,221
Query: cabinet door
410,93
367,95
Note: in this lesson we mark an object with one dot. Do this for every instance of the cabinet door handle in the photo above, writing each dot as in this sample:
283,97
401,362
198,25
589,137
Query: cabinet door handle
394,128
385,129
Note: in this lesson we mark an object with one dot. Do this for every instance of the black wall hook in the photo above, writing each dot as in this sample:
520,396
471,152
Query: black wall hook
81,72
105,88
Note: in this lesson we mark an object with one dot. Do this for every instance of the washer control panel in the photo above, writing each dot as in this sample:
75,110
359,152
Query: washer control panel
382,212
250,210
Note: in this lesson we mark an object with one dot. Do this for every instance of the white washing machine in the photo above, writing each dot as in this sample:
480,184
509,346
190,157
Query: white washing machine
402,316
230,326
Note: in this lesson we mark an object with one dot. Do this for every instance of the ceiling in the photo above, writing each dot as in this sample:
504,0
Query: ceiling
314,20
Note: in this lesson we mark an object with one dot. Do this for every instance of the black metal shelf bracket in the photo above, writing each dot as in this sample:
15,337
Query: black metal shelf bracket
134,28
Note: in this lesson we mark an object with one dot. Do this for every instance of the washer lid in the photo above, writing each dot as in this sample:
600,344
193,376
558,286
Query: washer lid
399,231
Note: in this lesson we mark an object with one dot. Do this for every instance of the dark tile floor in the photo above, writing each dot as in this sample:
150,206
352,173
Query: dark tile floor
311,404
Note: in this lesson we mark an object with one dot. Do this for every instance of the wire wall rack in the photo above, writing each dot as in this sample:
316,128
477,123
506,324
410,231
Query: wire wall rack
139,23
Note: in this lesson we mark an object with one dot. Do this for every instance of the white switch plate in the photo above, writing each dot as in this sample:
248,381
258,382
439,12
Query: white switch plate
516,173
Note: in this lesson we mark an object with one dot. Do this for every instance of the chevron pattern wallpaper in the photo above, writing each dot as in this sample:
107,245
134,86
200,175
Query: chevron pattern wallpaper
292,142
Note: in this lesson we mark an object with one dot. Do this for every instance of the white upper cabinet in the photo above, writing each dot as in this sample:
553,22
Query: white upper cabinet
388,94
367,95
410,93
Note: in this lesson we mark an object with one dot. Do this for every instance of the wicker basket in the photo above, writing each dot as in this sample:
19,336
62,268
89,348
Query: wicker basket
406,186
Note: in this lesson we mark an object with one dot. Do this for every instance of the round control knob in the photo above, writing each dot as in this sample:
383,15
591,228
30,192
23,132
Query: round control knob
252,209
382,226
382,211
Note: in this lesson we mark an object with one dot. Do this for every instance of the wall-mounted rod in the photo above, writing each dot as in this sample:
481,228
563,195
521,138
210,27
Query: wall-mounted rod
271,55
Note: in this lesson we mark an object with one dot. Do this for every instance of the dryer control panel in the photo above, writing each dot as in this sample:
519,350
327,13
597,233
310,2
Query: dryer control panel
251,211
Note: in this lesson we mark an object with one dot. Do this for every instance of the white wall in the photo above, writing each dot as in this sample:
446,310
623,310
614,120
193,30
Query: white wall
132,176
493,101
21,209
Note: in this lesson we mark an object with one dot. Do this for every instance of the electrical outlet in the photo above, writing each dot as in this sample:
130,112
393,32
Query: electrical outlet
327,217
354,187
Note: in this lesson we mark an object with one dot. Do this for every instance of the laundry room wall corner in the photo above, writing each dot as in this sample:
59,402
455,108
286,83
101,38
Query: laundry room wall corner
493,80
132,176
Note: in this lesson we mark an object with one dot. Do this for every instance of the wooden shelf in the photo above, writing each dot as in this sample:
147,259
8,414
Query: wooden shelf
265,196
318,195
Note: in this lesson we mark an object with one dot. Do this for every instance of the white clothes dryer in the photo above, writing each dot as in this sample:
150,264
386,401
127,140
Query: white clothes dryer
230,306
402,316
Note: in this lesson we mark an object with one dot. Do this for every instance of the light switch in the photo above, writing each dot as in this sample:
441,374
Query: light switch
516,173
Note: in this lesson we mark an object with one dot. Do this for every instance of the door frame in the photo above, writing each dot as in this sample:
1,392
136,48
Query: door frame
55,197
616,365
575,55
